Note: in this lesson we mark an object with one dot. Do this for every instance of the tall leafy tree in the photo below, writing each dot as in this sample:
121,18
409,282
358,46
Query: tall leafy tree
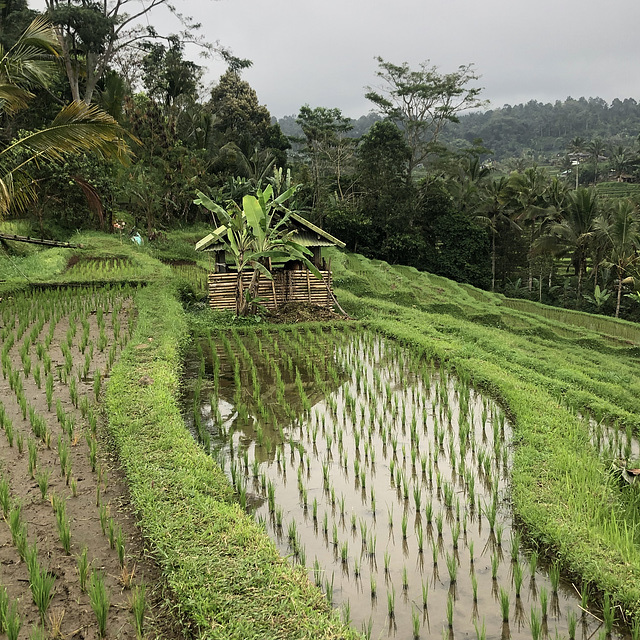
91,34
385,224
325,135
421,102
239,118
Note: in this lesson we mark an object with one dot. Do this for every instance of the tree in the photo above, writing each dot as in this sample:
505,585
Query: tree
239,118
494,207
619,228
167,75
421,102
386,223
91,34
324,130
595,149
254,235
77,128
573,233
528,200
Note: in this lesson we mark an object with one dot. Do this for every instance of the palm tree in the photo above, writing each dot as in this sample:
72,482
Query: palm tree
528,200
596,148
619,229
77,128
573,232
494,210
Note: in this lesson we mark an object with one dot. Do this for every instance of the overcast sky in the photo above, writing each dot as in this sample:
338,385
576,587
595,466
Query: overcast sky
322,52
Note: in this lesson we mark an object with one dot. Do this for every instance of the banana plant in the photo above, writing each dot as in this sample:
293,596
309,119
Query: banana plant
254,235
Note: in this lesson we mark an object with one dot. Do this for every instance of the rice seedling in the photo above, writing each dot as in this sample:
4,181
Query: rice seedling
514,545
535,624
474,587
608,613
543,597
504,604
405,578
41,583
585,594
13,622
554,577
450,610
372,585
33,456
481,632
391,603
518,577
4,608
83,569
533,562
415,623
572,622
495,563
420,539
344,552
100,601
452,568
120,549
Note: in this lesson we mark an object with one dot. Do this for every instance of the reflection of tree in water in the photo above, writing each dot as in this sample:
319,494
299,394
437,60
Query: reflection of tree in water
264,383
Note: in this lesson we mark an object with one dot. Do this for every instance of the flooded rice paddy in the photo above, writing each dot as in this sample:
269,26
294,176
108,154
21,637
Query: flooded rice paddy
386,477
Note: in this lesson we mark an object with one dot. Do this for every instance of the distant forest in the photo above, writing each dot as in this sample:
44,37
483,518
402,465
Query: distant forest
535,130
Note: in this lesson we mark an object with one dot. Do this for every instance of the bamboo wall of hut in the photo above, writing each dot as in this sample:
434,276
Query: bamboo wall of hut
286,286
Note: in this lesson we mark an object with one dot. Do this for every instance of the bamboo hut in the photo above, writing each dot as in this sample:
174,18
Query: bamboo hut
292,281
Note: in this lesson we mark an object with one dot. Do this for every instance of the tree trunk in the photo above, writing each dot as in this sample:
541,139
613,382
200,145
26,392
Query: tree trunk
493,260
531,257
619,292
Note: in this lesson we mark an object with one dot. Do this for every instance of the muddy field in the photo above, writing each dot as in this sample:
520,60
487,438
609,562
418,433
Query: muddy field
72,562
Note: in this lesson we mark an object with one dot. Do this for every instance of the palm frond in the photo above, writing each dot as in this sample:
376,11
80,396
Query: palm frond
13,98
17,191
77,128
24,64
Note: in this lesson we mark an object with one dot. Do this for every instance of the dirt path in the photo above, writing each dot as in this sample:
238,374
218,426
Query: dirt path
89,485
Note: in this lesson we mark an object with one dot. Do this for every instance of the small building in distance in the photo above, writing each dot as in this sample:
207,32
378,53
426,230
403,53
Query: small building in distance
292,281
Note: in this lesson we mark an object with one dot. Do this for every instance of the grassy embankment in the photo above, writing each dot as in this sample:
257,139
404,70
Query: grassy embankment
544,371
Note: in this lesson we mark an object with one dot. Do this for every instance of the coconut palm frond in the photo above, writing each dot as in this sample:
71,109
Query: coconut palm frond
17,191
24,63
13,98
41,35
77,128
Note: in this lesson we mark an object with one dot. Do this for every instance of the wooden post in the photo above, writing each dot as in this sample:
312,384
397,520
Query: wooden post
308,287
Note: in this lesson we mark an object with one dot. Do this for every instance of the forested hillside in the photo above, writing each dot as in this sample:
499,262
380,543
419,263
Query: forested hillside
541,131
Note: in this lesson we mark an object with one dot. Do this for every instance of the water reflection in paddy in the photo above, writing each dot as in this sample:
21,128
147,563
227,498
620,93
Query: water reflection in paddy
384,476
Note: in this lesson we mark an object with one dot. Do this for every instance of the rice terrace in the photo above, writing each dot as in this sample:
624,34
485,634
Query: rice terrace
444,463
